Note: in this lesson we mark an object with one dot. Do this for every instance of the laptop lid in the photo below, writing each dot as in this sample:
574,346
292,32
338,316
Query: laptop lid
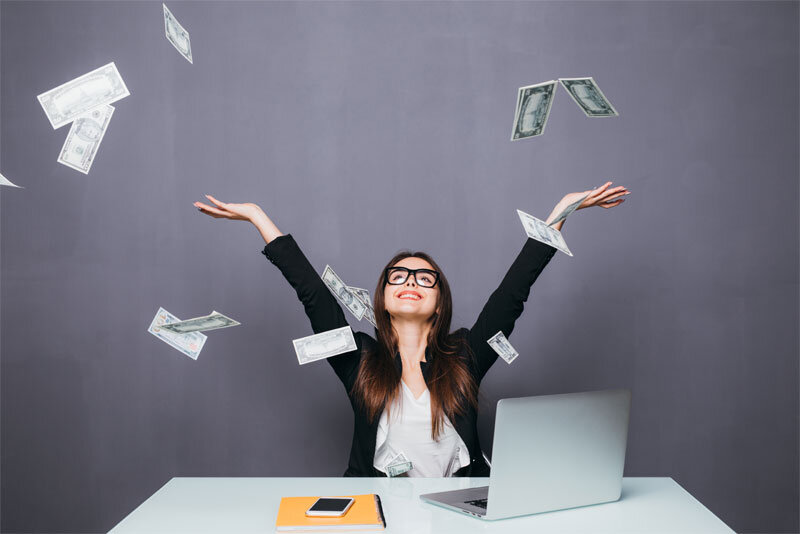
554,452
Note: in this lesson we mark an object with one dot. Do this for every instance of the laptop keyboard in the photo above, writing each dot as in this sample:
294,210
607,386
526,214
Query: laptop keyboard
480,503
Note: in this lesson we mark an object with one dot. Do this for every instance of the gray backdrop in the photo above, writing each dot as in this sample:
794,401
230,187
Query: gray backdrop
364,128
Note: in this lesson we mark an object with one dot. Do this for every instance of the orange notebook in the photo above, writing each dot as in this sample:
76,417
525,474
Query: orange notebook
366,513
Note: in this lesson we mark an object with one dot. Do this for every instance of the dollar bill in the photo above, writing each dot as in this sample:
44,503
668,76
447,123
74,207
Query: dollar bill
586,93
399,469
569,209
502,347
369,315
84,138
398,458
101,86
539,230
339,289
364,296
190,344
398,465
212,321
532,109
6,181
177,35
324,345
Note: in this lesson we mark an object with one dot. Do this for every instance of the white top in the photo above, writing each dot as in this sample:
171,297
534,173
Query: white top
409,432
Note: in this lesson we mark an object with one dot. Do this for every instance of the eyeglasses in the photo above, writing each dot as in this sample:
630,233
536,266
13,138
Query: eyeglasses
398,275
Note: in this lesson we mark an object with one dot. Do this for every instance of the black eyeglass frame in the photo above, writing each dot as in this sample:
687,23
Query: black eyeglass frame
410,272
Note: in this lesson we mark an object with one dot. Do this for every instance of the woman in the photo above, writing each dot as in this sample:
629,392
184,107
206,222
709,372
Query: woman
413,389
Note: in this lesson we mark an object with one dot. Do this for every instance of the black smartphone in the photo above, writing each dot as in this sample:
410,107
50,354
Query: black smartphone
330,507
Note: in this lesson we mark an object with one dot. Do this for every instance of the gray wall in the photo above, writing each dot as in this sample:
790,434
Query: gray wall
364,128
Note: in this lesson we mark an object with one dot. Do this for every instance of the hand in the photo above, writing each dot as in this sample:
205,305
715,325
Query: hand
602,196
242,212
226,210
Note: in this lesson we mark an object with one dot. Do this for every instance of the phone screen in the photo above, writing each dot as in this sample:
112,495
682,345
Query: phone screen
330,505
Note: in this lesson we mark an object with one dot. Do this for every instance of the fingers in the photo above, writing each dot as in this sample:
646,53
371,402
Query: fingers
211,213
203,210
205,206
215,201
599,190
214,212
235,211
596,192
612,203
613,196
611,193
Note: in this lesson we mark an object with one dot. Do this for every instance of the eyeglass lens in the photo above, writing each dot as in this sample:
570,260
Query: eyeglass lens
424,277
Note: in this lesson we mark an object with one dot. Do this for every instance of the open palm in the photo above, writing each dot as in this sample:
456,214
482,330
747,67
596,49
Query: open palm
228,210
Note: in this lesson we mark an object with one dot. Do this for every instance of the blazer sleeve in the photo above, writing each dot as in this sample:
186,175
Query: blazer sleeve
506,303
320,305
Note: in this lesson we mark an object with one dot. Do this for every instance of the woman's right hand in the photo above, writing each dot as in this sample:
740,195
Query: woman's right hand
241,212
227,210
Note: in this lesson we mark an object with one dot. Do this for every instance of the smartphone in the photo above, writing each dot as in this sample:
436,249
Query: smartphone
330,507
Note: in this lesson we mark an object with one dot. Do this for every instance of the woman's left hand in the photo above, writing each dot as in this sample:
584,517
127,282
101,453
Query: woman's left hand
602,196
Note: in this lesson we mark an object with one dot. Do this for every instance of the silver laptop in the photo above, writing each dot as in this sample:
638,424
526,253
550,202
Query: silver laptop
550,452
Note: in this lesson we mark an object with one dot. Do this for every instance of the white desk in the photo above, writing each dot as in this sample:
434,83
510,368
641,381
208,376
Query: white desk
237,505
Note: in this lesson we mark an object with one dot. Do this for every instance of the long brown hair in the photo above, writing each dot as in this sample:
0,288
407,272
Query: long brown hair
452,387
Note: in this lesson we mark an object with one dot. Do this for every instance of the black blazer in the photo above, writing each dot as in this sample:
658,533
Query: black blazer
500,313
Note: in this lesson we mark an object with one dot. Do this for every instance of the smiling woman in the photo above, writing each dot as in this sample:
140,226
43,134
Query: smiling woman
413,308
414,386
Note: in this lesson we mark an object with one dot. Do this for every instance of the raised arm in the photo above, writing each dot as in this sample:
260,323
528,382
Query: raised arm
320,305
505,305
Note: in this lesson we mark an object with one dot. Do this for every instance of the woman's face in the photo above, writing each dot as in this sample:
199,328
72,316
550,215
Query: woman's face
410,300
